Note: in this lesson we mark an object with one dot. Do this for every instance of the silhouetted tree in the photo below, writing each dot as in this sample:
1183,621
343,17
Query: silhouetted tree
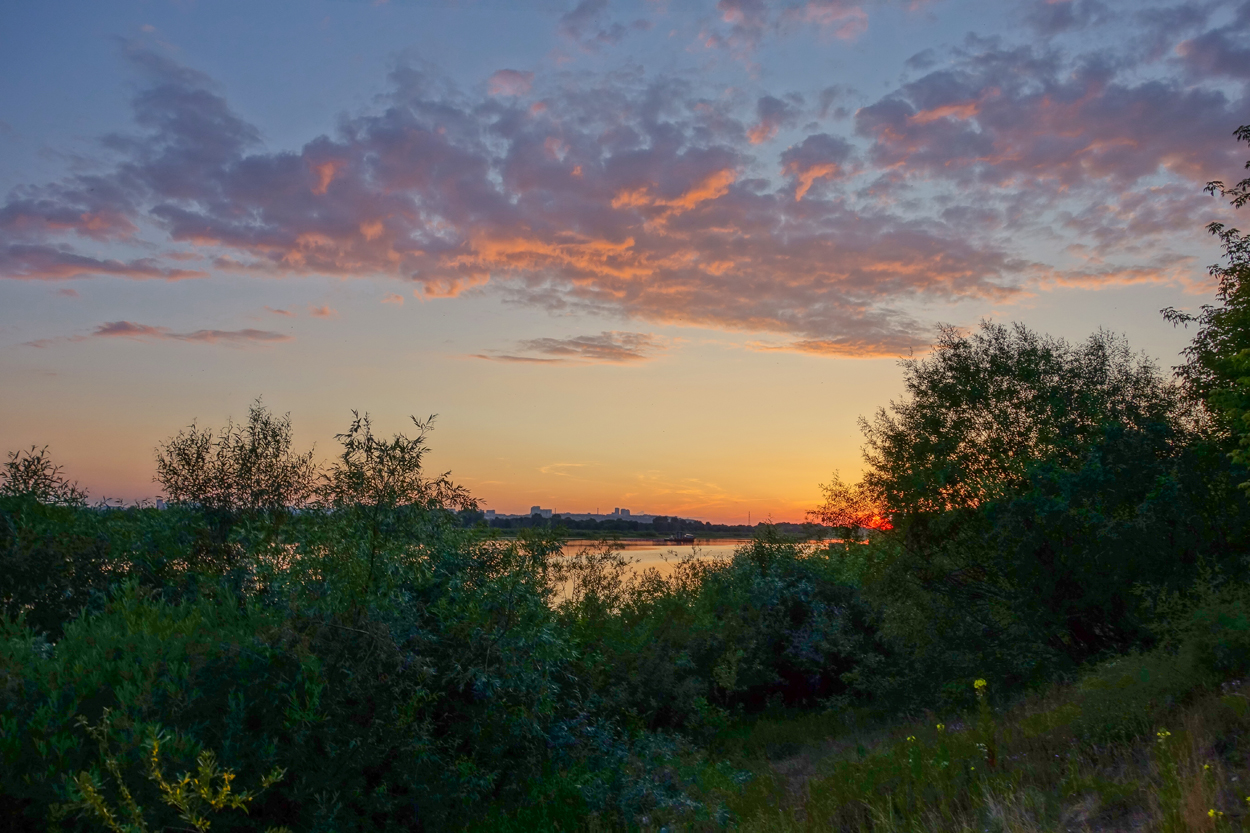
982,408
244,467
1217,367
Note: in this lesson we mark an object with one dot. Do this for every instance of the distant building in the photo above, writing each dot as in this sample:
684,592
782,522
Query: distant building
617,514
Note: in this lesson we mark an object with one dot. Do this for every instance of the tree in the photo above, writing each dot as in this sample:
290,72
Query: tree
1026,477
982,408
244,468
849,507
1216,371
380,474
383,511
32,473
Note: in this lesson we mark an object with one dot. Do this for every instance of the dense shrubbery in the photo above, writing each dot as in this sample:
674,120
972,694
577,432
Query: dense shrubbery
776,623
403,672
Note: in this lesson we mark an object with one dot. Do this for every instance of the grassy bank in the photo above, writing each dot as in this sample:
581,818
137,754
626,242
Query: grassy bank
1150,741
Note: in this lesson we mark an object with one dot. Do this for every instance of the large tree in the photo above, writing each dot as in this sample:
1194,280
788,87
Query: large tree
985,407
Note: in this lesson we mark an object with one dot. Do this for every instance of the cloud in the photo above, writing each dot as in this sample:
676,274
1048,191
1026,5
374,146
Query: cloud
282,312
844,347
393,298
654,200
1026,120
1220,51
146,332
742,25
322,312
612,347
842,20
772,114
1052,17
492,357
558,468
510,82
818,157
605,348
129,329
616,198
50,263
66,292
586,25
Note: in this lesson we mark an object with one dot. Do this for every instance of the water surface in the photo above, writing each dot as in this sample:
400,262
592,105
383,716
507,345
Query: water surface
660,554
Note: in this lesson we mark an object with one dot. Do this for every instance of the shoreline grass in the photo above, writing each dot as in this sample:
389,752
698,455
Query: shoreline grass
1140,742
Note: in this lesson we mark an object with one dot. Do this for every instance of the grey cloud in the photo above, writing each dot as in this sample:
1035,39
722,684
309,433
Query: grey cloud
612,347
129,329
147,332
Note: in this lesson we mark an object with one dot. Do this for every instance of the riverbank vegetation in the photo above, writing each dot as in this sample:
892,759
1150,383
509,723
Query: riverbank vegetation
1033,617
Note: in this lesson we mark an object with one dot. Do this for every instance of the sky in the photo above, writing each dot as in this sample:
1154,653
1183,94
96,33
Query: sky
657,255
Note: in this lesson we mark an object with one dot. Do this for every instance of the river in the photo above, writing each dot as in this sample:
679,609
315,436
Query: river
655,553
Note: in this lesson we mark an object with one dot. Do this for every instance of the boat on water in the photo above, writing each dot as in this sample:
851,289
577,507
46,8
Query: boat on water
675,538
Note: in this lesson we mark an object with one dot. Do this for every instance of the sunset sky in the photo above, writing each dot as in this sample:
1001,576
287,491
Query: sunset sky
657,255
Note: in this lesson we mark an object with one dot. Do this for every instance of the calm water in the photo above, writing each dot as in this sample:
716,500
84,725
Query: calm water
661,555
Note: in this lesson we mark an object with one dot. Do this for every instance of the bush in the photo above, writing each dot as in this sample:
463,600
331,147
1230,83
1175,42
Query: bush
777,622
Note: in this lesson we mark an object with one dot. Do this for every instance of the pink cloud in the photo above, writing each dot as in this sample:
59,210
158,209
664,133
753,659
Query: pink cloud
510,82
842,20
322,312
393,298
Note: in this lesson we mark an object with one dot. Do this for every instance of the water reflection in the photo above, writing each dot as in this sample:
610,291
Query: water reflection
662,554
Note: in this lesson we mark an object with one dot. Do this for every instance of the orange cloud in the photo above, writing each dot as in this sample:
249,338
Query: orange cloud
963,111
325,172
761,133
848,348
807,177
713,186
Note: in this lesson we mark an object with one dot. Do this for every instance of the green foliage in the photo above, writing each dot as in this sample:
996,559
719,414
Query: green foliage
245,467
407,669
1032,484
32,474
982,409
1217,367
1209,620
1122,698
776,622
194,795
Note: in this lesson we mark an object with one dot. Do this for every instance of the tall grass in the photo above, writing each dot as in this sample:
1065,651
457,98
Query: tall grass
1151,741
